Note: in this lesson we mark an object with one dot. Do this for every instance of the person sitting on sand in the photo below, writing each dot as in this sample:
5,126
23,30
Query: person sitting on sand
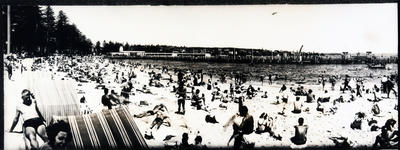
105,99
34,123
225,97
300,136
266,124
59,136
283,88
114,97
389,137
126,90
185,142
250,92
217,96
297,105
243,123
339,100
277,101
196,99
265,95
310,96
358,120
210,119
325,97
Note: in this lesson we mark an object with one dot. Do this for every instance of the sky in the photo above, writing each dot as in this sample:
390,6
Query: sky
320,28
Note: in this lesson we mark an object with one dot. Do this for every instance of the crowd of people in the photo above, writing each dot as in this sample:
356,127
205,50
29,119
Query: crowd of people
189,85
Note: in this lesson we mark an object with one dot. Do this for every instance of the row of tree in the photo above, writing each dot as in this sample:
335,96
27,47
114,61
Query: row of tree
37,31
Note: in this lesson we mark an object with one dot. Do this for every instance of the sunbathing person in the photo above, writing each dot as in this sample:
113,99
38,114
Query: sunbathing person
389,137
310,96
266,124
144,90
265,95
326,108
157,108
300,136
325,97
358,120
161,118
196,99
297,105
33,124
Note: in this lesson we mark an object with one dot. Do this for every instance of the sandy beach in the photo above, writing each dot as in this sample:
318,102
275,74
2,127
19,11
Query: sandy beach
321,126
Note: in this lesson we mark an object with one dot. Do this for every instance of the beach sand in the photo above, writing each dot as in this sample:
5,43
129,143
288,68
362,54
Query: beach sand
321,126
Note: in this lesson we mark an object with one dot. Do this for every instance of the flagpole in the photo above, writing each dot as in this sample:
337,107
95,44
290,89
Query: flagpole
8,29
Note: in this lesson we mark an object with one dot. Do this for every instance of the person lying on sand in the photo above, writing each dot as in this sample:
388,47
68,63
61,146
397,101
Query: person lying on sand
157,108
144,90
341,142
161,118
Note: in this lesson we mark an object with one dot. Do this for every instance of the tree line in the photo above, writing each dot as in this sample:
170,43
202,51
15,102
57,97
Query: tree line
36,31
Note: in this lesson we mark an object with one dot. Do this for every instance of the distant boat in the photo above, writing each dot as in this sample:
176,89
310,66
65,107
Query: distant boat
376,66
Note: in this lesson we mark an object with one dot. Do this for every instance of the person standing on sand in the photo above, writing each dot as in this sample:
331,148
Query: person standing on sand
270,79
9,70
181,98
390,87
332,81
300,136
346,83
358,93
22,67
33,121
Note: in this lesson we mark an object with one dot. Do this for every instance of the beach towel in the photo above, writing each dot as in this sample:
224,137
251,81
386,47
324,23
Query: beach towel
109,129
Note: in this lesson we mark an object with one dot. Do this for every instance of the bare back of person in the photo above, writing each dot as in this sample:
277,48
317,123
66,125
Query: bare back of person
300,134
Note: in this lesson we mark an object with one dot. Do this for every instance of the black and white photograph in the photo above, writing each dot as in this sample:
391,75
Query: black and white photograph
200,77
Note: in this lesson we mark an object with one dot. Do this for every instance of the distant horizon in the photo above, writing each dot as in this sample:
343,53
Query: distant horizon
320,28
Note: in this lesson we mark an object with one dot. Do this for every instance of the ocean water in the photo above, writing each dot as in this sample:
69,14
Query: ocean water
293,72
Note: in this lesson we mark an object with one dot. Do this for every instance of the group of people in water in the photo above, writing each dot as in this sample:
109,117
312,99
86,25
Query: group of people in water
242,122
